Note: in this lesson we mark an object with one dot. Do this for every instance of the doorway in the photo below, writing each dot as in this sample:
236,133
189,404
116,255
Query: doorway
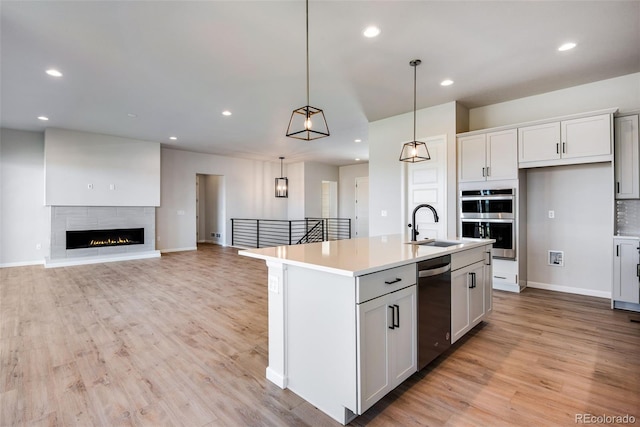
329,199
210,209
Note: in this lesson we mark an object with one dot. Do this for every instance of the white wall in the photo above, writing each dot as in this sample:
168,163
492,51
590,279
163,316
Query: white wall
347,191
385,170
23,217
214,207
295,203
74,160
248,188
622,92
314,174
581,197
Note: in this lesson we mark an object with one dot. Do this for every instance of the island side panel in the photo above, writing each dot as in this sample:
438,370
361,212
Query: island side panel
276,371
321,340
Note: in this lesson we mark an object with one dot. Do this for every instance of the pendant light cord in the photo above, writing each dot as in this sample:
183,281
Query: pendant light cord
308,53
415,70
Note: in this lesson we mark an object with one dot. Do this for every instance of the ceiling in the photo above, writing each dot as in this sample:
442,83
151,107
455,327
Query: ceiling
176,65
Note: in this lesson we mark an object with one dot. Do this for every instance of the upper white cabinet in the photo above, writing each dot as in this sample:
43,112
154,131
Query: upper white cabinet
580,140
627,142
488,156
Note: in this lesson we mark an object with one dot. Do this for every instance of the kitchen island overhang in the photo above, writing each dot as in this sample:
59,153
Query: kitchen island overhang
314,295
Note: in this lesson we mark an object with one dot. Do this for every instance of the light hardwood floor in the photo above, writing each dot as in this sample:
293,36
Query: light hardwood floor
182,340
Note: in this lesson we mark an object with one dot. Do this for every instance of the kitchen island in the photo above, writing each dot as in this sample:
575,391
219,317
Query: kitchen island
343,314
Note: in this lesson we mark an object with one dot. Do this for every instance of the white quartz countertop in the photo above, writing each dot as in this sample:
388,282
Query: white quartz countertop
355,257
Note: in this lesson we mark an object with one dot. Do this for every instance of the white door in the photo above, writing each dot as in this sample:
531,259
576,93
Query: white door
362,207
427,183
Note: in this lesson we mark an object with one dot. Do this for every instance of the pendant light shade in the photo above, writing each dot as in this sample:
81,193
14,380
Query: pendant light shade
282,183
307,123
414,151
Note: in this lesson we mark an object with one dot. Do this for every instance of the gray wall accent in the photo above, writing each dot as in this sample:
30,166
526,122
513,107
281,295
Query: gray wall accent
23,215
582,198
76,218
121,171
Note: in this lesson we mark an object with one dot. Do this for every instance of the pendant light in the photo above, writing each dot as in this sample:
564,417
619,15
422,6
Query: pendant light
414,151
282,183
307,122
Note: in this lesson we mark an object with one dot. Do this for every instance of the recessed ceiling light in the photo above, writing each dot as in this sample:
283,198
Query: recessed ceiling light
446,82
43,118
371,31
53,72
357,159
173,138
133,116
226,113
357,140
567,46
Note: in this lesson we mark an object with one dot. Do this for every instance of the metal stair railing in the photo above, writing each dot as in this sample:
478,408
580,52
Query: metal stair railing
260,233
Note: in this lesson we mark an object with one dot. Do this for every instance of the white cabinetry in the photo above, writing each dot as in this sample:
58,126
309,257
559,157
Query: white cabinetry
580,140
488,156
387,337
471,290
626,285
627,159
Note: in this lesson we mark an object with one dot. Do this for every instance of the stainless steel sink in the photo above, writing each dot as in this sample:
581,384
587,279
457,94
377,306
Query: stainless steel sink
437,243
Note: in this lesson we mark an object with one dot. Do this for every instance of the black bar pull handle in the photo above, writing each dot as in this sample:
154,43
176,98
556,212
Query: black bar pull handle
393,312
391,282
397,311
557,148
618,187
617,250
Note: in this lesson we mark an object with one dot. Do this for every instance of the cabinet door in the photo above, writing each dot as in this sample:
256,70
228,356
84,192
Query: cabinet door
403,338
459,303
488,281
502,155
475,284
375,318
471,158
626,157
586,137
539,142
626,286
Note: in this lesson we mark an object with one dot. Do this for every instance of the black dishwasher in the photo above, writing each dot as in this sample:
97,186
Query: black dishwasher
434,308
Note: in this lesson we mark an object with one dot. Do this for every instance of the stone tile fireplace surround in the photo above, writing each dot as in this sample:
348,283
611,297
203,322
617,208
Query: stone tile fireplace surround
77,218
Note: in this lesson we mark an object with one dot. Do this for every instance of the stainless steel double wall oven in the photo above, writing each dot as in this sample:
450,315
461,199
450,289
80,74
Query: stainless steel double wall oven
490,214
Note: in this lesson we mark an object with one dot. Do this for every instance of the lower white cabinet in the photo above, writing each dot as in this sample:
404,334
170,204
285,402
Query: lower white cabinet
471,293
387,344
626,284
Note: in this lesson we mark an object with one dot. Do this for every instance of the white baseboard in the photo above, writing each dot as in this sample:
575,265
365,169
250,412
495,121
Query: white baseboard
276,378
21,264
193,248
68,262
570,290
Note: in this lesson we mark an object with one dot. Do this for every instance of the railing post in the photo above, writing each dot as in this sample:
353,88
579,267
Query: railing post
257,233
289,231
232,232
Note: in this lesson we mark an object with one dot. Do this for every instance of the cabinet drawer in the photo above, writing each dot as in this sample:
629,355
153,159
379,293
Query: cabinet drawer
382,282
468,257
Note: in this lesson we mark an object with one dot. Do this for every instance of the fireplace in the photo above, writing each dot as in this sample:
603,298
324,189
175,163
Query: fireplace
98,238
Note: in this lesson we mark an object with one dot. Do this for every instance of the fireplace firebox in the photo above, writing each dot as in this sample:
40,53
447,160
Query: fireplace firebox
98,238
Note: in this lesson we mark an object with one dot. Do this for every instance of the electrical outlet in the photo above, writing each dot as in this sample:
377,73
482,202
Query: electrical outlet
89,186
273,284
552,214
217,234
383,213
112,186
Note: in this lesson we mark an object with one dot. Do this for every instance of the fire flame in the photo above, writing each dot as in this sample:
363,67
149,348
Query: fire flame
110,241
